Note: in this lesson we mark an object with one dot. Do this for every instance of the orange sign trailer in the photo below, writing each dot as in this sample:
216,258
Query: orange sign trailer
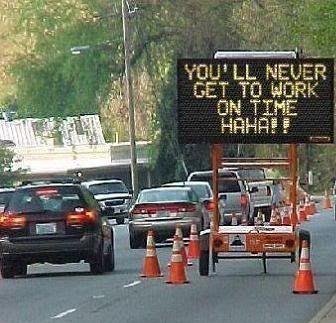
251,242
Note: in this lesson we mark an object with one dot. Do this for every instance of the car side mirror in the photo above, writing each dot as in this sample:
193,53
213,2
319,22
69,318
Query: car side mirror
254,189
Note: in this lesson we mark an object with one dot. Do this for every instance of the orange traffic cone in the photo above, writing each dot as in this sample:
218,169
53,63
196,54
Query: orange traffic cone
194,245
177,273
286,220
179,234
151,267
308,210
304,281
278,217
302,215
273,219
326,201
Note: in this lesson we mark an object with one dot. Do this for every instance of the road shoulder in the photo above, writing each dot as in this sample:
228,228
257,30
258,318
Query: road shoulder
327,314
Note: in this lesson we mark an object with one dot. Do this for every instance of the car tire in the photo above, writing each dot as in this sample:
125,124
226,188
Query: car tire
120,220
20,269
97,263
204,263
7,270
135,242
109,259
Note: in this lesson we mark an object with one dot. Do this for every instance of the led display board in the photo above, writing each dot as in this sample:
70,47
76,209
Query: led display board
255,101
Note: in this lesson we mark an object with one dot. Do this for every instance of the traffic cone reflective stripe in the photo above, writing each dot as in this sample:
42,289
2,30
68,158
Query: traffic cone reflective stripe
194,247
304,281
177,273
234,220
151,267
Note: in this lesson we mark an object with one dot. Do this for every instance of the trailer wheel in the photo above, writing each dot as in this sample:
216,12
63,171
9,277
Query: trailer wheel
204,263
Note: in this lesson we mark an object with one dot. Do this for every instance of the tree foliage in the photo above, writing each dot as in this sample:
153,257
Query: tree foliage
44,79
7,175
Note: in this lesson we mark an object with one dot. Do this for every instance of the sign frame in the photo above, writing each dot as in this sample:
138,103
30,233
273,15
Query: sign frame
280,138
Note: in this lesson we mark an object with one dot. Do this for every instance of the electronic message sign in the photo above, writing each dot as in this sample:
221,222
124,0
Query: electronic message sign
255,101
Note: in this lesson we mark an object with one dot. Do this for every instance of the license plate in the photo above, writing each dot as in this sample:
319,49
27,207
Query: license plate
162,214
45,228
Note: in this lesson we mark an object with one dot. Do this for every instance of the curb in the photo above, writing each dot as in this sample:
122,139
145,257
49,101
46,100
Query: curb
324,311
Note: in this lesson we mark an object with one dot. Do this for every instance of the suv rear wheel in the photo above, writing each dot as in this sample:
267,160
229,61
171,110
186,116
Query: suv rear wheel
135,241
109,259
97,263
7,270
20,269
204,263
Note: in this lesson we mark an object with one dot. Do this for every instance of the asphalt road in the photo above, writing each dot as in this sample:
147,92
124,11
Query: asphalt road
239,292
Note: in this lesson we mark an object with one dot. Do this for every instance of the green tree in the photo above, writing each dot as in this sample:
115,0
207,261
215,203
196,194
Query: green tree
7,176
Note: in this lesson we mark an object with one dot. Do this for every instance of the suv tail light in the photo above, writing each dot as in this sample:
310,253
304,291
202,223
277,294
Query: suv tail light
145,210
244,200
189,207
12,221
81,217
141,210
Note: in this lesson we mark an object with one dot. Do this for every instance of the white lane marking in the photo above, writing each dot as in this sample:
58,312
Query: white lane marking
98,296
60,315
136,282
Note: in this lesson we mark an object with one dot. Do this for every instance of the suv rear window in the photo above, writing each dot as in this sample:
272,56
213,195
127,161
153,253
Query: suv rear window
167,196
231,186
108,188
5,197
42,199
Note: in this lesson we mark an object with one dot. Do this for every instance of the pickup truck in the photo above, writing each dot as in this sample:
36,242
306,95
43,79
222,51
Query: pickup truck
260,189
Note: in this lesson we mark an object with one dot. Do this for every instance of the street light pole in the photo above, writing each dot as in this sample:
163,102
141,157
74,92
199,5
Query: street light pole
129,94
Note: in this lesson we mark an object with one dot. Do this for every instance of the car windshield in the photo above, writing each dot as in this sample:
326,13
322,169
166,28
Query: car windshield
42,199
166,196
5,197
229,186
108,188
252,174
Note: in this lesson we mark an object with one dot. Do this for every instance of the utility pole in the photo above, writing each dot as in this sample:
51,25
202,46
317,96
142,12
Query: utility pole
129,93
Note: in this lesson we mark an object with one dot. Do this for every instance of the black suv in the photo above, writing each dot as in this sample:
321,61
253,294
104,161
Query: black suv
55,223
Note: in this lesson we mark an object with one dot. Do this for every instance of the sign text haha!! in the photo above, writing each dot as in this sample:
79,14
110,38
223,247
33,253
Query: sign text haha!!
255,101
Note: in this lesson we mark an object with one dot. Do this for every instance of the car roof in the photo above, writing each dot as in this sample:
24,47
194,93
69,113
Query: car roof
167,188
186,183
7,189
25,187
209,172
101,181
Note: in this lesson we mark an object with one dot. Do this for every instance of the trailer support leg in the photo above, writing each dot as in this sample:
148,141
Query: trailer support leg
264,262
